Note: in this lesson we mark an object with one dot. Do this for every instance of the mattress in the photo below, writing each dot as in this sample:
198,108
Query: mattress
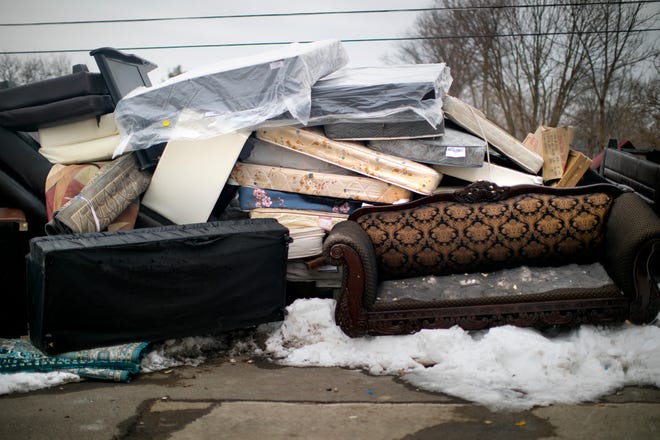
318,184
307,242
93,150
453,148
251,198
298,218
260,152
403,93
227,96
389,128
475,122
355,157
87,129
324,276
498,174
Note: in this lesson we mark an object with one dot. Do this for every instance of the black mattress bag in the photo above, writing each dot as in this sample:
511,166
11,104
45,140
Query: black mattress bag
151,284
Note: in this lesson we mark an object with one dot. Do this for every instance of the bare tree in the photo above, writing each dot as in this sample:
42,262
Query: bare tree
533,63
18,70
615,53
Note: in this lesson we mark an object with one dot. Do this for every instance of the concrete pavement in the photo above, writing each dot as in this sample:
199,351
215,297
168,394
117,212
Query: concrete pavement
253,399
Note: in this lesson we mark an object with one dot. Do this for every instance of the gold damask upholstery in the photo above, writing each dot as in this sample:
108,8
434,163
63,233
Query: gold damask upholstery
453,237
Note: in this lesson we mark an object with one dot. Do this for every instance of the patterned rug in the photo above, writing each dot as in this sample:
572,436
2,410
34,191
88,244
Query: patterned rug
117,363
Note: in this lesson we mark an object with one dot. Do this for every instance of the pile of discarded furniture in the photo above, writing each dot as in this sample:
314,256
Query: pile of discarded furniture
200,204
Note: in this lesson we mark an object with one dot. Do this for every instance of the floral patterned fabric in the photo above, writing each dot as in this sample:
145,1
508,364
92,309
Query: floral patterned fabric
450,237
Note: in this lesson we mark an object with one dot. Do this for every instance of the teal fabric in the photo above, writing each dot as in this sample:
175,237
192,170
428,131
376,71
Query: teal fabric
118,363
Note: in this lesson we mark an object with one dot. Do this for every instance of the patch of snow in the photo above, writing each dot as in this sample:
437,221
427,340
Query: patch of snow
503,368
24,382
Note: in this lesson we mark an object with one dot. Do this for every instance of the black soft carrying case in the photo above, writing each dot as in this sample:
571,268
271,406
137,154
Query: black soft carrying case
98,289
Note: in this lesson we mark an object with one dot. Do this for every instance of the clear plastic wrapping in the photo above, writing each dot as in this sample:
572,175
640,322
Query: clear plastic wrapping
397,93
235,94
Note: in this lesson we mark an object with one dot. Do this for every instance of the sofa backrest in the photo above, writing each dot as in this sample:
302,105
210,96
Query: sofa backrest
445,237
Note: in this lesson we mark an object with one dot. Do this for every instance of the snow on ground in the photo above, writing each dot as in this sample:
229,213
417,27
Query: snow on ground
504,368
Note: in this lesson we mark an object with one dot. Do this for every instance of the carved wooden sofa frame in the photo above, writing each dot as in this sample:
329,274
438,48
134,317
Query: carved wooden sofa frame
626,242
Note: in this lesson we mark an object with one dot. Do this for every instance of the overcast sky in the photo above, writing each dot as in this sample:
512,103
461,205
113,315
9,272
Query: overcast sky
196,32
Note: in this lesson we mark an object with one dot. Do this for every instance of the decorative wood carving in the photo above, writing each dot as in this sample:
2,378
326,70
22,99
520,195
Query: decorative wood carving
481,191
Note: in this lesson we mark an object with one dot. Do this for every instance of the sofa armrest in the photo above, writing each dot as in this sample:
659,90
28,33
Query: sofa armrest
14,215
348,245
630,250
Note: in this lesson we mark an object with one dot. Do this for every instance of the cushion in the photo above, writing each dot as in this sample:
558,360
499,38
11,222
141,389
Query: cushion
444,237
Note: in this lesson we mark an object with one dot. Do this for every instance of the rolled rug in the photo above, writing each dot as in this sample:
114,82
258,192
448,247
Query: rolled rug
116,186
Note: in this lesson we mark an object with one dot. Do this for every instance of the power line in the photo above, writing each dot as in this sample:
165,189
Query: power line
311,13
350,40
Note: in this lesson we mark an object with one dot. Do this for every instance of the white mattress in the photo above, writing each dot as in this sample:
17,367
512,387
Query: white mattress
318,184
355,157
493,173
79,131
307,242
300,218
84,141
93,150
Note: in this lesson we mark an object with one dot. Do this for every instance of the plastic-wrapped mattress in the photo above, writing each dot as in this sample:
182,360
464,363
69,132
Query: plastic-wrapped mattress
224,97
387,94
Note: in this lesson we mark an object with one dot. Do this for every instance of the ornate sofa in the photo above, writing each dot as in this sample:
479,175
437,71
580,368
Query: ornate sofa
486,256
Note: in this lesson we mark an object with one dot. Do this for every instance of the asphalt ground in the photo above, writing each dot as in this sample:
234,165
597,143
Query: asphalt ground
248,398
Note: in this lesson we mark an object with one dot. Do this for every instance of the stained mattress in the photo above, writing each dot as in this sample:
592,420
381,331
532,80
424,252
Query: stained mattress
318,184
260,152
356,157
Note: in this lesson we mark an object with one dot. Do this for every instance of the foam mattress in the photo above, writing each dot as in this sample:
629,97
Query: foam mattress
87,140
79,131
